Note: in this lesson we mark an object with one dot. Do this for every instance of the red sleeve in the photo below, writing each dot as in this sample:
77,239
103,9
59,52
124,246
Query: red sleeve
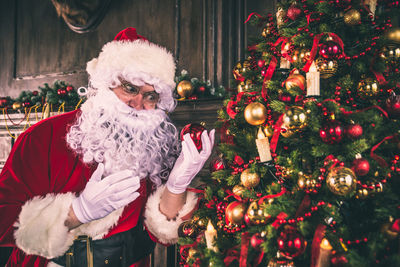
25,175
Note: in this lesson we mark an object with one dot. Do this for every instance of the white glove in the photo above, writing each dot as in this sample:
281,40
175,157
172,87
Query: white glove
102,196
189,162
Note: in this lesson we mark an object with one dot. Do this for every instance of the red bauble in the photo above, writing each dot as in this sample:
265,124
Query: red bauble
360,166
354,131
261,63
256,241
61,92
35,93
393,106
332,132
69,88
238,160
339,260
195,130
293,12
201,89
330,50
217,164
291,243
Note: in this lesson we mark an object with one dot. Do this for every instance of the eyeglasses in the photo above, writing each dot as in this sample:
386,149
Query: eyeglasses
150,97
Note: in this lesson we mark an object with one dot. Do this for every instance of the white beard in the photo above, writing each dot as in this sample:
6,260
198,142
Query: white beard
109,131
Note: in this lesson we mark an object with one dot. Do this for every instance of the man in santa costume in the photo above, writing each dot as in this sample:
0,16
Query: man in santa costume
96,186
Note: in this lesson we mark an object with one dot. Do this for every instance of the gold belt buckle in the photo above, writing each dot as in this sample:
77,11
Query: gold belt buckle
69,256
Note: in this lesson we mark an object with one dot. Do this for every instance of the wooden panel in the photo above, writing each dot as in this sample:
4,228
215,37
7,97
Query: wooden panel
57,49
44,50
191,37
7,16
208,38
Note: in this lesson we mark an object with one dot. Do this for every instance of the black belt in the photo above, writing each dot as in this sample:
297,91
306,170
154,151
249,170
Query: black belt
122,249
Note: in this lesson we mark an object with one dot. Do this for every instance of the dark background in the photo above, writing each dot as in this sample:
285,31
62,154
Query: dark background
207,38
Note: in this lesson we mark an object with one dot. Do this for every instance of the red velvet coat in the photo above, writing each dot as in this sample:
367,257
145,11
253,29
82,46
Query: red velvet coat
40,163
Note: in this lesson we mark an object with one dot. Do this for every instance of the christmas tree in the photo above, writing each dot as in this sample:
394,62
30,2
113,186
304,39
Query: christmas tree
308,165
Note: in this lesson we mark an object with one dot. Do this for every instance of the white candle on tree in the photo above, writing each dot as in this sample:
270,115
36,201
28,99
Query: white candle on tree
210,233
325,252
313,77
263,148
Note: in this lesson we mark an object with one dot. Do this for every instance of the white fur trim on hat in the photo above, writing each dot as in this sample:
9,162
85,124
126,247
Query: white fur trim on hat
165,230
133,60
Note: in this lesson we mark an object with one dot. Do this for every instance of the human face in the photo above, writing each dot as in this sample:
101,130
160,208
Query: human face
137,97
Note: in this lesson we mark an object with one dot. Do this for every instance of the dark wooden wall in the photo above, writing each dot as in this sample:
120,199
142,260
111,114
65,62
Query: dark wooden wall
207,38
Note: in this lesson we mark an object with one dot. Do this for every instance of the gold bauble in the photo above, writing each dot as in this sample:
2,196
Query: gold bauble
268,131
184,88
256,215
16,105
244,86
295,118
286,172
368,87
249,179
235,211
352,17
240,68
237,190
201,223
393,35
391,54
187,229
295,80
327,68
362,193
191,253
255,113
285,131
266,32
301,55
341,181
306,182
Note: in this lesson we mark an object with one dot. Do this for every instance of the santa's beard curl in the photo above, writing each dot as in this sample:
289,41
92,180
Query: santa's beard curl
109,131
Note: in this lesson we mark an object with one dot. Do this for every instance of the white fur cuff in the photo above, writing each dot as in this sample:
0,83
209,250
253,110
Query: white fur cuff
40,227
165,230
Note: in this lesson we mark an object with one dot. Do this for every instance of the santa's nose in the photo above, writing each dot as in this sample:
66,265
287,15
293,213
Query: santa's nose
136,102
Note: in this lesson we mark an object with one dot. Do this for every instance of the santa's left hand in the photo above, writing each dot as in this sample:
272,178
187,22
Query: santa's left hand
189,162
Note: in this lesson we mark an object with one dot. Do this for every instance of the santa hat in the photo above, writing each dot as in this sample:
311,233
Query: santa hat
135,59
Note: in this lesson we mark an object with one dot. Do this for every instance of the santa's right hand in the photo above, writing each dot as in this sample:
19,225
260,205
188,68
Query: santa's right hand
102,196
